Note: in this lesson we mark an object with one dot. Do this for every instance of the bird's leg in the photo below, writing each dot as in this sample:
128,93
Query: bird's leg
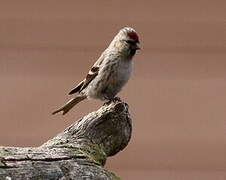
116,99
112,100
108,102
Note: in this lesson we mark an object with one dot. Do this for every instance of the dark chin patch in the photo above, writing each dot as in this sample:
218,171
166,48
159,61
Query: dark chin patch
132,52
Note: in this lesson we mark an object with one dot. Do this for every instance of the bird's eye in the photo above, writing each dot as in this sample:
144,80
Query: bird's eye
129,41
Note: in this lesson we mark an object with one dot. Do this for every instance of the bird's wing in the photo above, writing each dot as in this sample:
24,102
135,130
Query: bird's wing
90,76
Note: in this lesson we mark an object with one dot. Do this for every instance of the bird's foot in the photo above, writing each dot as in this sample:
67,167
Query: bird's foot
113,100
116,99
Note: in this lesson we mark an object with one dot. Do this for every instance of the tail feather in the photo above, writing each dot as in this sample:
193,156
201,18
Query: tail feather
70,104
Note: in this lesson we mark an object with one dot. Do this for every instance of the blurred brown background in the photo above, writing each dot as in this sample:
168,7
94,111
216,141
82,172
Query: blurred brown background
177,94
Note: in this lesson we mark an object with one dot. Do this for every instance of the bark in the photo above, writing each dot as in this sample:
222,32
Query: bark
79,152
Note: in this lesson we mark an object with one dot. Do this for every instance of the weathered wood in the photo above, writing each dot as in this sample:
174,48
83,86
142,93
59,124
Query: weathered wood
79,152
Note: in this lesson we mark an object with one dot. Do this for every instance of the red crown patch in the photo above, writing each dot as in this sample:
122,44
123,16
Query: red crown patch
133,36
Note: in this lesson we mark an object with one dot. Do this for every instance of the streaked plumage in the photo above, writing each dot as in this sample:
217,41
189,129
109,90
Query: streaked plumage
110,72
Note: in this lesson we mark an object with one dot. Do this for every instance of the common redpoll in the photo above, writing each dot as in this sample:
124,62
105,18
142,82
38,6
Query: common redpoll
110,72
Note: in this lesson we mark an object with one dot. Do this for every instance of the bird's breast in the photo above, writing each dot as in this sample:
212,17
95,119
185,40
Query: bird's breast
118,77
112,77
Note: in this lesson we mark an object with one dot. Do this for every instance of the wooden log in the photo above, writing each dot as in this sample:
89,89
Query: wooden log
79,152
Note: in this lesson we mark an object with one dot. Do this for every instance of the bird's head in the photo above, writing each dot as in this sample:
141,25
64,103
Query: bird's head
126,41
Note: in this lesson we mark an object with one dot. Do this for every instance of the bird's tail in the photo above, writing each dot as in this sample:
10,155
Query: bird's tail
70,104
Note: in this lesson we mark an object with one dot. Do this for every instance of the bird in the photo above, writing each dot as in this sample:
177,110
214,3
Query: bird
109,73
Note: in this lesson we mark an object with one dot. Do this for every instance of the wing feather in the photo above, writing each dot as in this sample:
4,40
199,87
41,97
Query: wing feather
90,76
77,88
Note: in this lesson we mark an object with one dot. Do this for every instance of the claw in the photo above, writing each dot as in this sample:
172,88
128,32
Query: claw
116,99
113,100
